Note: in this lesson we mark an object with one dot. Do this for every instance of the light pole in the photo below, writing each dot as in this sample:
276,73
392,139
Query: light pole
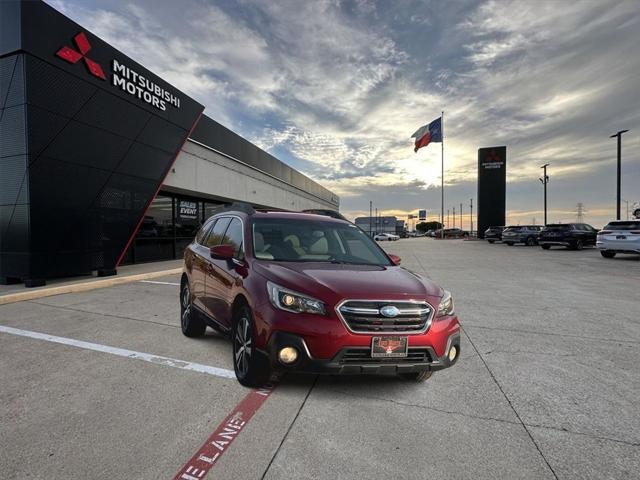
545,180
448,218
619,136
627,202
370,216
471,215
454,217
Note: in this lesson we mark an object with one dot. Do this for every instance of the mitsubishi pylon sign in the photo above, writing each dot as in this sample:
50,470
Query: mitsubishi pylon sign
492,176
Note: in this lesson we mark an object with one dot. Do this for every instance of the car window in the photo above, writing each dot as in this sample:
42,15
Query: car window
623,225
233,236
203,232
217,232
293,240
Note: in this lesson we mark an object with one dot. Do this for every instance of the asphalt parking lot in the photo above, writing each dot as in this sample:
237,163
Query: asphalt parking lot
548,384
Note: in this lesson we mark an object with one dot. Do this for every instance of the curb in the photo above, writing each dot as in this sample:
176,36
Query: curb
83,287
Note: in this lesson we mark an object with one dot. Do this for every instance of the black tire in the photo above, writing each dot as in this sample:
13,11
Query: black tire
577,245
252,368
530,242
491,241
607,253
545,247
509,243
192,325
417,376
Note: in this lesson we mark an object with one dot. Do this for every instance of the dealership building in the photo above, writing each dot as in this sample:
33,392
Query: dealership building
103,163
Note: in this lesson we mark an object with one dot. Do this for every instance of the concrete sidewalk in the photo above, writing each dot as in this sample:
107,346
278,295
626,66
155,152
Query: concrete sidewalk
126,274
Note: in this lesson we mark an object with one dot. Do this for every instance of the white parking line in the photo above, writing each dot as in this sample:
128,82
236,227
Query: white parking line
121,352
160,283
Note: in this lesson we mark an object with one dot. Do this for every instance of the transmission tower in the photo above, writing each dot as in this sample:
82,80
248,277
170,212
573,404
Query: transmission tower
580,211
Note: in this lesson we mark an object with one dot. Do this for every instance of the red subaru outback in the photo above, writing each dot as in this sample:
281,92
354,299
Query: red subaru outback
309,293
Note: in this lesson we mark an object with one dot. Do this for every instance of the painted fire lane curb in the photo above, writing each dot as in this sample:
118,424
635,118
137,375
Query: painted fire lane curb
223,436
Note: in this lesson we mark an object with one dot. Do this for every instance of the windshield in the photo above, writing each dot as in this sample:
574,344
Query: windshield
513,229
630,225
290,240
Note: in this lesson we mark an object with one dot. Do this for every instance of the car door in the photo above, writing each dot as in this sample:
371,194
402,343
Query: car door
199,255
592,234
230,273
212,287
582,233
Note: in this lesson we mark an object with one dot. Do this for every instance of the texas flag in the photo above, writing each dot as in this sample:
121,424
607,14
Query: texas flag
428,133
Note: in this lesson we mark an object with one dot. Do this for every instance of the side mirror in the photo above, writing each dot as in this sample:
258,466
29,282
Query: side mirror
225,252
395,259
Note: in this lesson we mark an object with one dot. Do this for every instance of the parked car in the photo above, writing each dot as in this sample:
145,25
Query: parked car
451,233
527,234
389,237
493,234
619,236
571,235
309,293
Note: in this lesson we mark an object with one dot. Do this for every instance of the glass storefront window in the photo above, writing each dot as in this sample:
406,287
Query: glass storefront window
169,226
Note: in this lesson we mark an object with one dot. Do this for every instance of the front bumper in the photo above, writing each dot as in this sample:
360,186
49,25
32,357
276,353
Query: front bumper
357,360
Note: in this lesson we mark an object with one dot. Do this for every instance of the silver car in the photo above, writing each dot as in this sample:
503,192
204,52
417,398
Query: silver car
620,236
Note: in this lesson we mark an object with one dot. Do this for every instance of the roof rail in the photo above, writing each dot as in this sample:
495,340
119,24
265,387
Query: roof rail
235,207
325,212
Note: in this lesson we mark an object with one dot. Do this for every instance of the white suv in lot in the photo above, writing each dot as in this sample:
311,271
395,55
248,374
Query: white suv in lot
381,237
619,236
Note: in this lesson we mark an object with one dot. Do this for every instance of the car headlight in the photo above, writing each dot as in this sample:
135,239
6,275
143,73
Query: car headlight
295,302
446,305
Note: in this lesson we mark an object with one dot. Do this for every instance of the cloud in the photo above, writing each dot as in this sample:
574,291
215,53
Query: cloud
336,88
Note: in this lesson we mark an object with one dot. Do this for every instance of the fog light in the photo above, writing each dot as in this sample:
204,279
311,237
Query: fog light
288,355
453,353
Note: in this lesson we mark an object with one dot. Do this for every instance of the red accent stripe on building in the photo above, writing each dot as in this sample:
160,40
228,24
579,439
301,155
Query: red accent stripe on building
223,436
146,209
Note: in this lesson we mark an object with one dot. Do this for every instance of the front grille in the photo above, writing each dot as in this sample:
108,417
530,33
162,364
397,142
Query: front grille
365,317
359,356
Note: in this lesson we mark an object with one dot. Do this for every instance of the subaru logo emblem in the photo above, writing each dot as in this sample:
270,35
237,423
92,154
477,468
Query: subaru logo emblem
389,311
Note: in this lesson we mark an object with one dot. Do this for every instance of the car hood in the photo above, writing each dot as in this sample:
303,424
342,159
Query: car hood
333,282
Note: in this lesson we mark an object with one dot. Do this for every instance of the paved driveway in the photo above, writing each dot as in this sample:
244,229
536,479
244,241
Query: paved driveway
547,385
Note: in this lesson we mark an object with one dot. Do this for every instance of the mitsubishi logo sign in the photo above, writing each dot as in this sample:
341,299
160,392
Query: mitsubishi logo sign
74,56
123,77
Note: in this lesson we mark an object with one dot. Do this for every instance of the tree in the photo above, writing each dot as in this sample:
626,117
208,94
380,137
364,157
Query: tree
424,226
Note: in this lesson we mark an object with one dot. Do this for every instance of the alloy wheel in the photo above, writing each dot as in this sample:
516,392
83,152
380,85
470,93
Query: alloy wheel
242,344
185,301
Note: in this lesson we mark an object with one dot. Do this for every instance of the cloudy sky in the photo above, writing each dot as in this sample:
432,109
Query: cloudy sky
336,88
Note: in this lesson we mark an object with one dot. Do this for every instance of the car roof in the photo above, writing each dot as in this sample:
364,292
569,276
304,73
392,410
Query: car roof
245,210
284,215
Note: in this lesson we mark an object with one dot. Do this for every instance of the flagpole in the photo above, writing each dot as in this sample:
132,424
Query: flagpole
442,176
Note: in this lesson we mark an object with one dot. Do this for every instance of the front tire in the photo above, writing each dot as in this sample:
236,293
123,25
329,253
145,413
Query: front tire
578,245
545,247
607,253
509,243
531,242
417,376
252,369
491,241
192,325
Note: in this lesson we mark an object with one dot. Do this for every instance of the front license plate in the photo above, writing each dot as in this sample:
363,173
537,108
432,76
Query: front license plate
621,237
389,346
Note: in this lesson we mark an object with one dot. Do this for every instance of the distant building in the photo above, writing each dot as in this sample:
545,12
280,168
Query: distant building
381,225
